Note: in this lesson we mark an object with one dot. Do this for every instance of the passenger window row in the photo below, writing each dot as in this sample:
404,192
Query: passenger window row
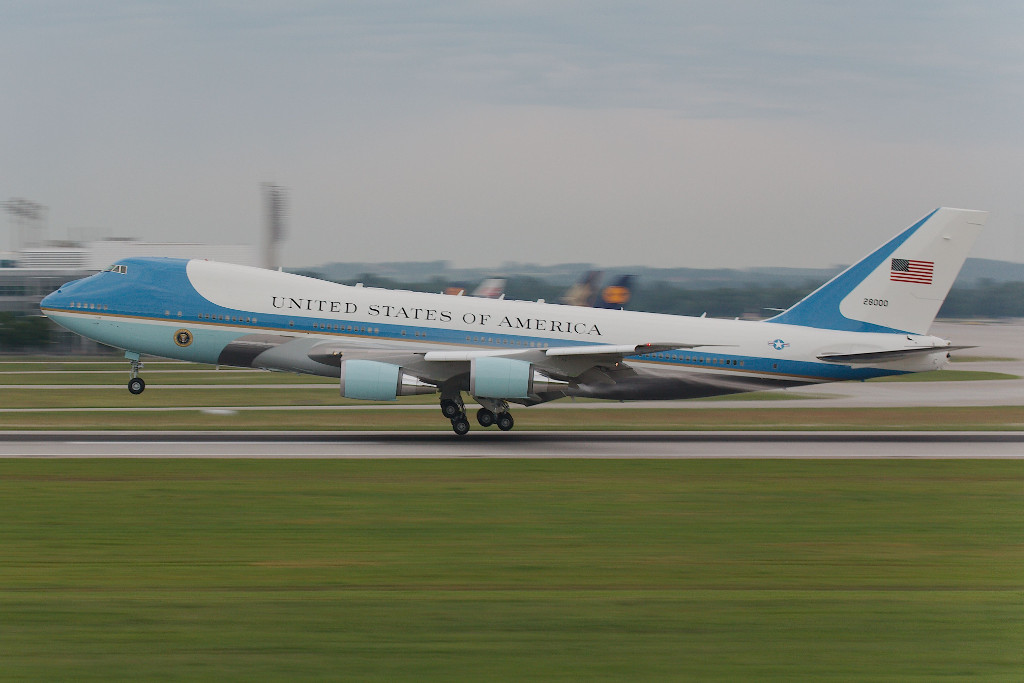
91,307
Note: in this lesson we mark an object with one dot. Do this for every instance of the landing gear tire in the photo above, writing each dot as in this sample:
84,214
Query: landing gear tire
485,417
505,422
450,408
136,385
460,425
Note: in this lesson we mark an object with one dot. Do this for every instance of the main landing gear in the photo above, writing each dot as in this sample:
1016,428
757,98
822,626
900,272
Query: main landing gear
136,384
493,412
454,410
486,417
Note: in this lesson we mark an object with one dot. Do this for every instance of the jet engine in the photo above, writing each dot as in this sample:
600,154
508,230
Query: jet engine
508,378
372,380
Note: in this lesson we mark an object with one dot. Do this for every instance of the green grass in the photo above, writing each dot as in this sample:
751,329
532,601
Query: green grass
947,376
511,570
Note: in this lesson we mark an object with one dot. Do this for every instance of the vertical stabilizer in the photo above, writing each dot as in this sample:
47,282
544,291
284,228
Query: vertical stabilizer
617,294
901,285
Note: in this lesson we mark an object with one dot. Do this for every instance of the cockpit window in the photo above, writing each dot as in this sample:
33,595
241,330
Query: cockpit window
118,268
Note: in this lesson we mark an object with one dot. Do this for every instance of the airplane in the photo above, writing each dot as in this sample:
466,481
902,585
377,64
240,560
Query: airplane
871,320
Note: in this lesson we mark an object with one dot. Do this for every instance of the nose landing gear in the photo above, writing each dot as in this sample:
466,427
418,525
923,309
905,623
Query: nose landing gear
136,384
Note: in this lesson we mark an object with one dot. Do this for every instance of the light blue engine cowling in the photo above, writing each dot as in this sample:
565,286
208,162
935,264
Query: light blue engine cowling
501,378
372,380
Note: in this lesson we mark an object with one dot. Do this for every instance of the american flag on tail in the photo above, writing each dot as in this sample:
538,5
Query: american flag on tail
909,270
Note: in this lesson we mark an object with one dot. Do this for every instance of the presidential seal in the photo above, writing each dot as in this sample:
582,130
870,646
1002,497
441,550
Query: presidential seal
182,338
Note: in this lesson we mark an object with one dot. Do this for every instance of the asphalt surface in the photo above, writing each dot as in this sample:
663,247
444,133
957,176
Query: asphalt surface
524,445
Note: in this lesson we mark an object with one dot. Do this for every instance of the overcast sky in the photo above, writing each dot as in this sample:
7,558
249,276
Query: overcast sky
659,133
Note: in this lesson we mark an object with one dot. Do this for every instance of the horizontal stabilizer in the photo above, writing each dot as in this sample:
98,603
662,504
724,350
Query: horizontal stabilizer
871,357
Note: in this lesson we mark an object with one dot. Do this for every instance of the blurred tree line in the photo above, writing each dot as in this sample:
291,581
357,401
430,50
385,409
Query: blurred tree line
987,299
19,332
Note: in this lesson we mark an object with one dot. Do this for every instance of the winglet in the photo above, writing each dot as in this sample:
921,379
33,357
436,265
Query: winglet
900,286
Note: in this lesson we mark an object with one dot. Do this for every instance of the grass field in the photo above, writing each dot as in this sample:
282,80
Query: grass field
947,376
511,570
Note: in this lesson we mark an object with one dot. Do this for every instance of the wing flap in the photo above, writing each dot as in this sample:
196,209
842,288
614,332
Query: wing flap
617,349
466,355
596,350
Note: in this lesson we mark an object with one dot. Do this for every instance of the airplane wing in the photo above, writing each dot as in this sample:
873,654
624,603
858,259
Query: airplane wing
591,364
561,362
595,350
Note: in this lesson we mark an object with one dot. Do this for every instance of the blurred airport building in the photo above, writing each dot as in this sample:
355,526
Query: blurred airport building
35,266
30,273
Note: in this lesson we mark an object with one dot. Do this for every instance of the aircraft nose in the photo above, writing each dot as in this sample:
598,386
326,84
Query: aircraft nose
51,299
58,298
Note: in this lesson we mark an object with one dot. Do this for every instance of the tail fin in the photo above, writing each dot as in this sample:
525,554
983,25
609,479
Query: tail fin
901,285
491,288
584,291
617,294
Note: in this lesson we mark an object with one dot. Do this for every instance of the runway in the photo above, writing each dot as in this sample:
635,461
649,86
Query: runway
519,445
997,350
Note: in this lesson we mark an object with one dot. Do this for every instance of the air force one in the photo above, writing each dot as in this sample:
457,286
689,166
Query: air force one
871,320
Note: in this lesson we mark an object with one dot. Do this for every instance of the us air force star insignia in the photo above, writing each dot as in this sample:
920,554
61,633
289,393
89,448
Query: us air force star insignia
182,337
778,344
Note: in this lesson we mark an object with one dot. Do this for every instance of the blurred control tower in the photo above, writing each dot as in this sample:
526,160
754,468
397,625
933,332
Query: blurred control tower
275,199
29,222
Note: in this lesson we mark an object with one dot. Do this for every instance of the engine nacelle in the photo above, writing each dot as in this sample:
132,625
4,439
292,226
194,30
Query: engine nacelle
507,378
372,380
